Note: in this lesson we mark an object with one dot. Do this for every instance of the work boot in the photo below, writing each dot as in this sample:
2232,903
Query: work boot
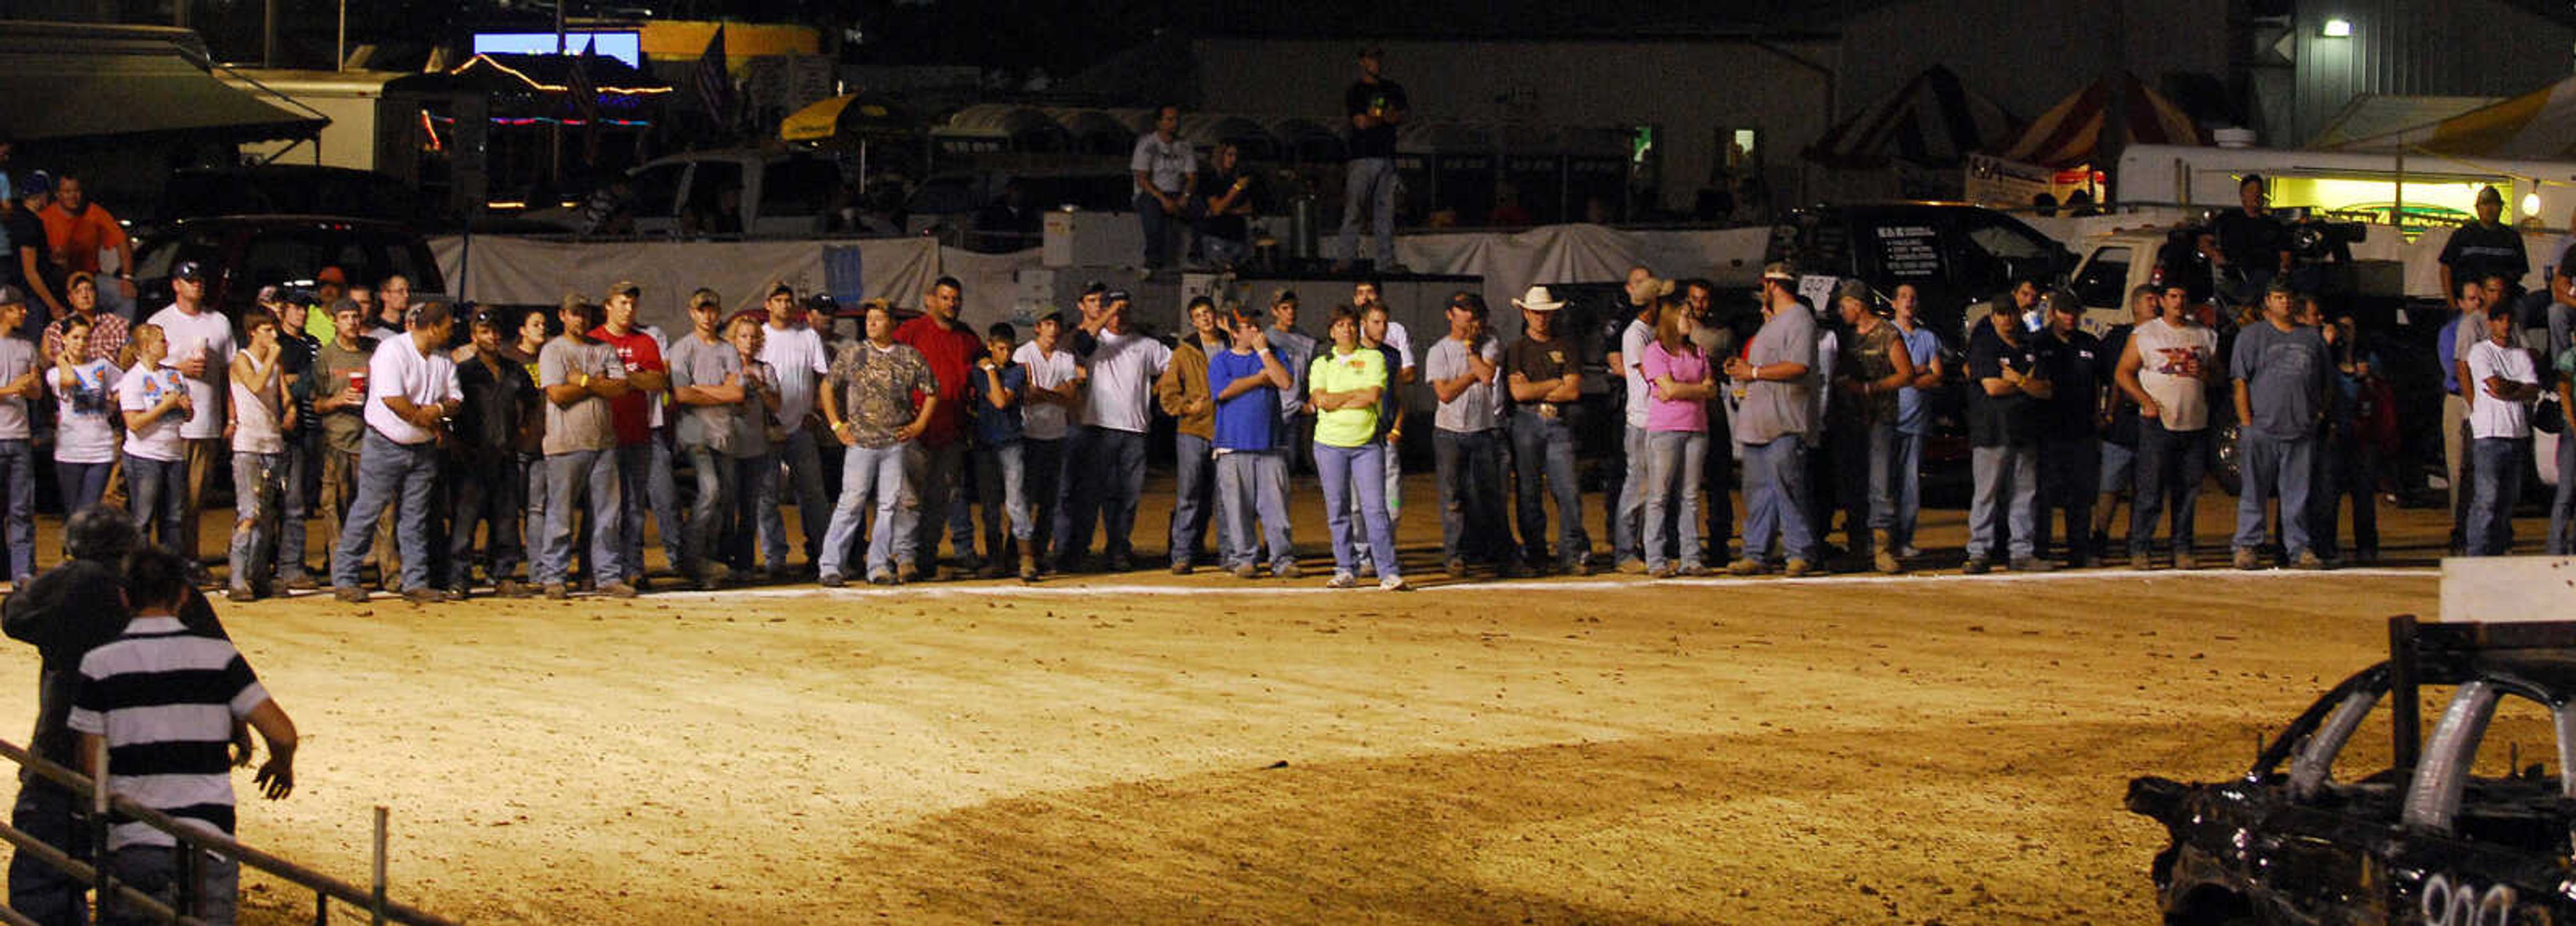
1976,566
1745,567
1028,566
1798,567
2247,559
1883,555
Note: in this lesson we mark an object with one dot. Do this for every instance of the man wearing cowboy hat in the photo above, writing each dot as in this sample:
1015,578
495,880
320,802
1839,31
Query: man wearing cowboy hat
1544,373
1776,409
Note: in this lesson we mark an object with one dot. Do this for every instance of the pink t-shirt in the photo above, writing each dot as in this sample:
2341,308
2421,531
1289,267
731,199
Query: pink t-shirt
1689,366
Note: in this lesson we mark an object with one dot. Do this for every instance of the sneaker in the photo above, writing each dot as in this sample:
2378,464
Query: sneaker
510,588
885,578
1580,567
1696,570
1392,584
1746,567
1664,571
1287,570
1634,567
831,580
557,591
2246,559
1908,551
1798,567
1181,568
2141,562
1342,578
2033,564
2308,561
349,593
1976,566
1247,571
301,582
1120,563
617,590
238,594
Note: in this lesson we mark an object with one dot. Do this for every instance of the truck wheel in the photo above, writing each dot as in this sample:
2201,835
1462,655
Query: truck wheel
2224,462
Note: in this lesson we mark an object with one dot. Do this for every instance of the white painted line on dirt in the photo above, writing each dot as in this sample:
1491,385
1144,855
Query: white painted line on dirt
1270,587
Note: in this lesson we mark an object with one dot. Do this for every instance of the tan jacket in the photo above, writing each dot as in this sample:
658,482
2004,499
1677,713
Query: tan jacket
1186,379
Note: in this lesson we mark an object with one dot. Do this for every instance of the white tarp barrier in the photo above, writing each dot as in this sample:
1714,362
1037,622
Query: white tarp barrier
539,271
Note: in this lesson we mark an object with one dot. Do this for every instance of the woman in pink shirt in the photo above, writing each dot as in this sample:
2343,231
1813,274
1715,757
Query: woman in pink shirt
1679,387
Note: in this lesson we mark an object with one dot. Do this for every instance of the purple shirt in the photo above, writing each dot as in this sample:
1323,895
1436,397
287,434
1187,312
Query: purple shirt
1690,366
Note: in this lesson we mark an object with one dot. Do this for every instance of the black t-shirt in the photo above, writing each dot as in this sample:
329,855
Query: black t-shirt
1384,96
487,422
2074,370
2124,412
1540,361
1229,227
295,358
2251,242
2007,420
2476,250
26,232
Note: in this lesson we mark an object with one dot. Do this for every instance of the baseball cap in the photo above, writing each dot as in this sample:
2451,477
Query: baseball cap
2280,284
626,287
271,293
706,297
36,182
781,288
1856,289
188,270
1780,271
331,275
1116,295
2059,300
11,295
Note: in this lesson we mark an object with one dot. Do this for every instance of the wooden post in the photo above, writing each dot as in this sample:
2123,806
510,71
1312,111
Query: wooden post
2404,714
98,827
377,911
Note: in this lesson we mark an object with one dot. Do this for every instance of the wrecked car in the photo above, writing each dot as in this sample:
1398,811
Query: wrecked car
2355,815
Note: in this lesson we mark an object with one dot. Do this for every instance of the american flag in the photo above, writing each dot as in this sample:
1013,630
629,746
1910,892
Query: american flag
715,87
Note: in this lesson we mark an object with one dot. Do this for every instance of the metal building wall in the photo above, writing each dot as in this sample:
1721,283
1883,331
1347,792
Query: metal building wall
2452,48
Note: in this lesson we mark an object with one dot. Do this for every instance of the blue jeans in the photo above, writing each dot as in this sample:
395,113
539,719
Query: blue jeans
2171,467
154,870
80,485
1193,496
1369,188
1775,499
1157,226
1543,464
295,502
755,489
1865,471
1907,459
2497,489
1472,523
388,473
1104,472
256,488
2562,507
714,472
49,814
933,476
2274,468
871,473
481,498
580,474
1674,460
532,494
644,472
157,490
1357,472
1625,520
1042,471
18,466
1249,484
1001,489
2007,495
1392,480
813,508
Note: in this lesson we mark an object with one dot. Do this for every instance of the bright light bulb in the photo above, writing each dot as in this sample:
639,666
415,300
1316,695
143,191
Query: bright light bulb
2337,28
2531,204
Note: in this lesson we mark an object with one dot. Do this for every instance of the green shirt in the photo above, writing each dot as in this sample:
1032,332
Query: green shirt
1340,372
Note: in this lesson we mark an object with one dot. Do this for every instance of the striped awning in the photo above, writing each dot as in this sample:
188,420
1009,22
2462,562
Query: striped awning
1932,121
2096,122
2536,126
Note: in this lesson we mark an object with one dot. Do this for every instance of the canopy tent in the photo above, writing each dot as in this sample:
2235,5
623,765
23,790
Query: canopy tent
1094,131
1932,121
71,81
2372,115
2095,123
2536,126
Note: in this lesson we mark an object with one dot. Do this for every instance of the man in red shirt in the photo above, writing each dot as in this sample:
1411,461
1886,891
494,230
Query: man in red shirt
935,461
77,229
631,416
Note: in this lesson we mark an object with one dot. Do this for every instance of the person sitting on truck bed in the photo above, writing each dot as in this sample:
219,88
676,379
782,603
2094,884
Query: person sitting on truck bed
2253,246
2487,248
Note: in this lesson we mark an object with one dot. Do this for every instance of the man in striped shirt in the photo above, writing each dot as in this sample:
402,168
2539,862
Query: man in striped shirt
164,701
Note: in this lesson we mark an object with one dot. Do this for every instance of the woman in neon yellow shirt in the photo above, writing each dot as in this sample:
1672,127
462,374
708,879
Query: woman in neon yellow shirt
1345,385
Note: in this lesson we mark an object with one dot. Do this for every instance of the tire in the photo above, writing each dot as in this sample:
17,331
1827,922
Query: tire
2224,461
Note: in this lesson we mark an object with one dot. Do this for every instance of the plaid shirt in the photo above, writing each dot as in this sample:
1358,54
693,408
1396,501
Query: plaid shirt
107,334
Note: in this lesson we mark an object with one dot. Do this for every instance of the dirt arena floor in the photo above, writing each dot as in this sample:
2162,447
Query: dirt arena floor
1934,748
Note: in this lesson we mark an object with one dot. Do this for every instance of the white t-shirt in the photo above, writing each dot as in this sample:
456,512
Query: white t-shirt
257,420
399,369
139,390
1402,341
1122,379
2493,417
209,335
797,359
1632,355
1044,420
83,433
1829,348
2164,352
1163,162
662,346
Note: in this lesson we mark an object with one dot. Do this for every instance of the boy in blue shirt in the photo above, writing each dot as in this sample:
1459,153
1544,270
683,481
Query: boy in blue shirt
1251,460
993,392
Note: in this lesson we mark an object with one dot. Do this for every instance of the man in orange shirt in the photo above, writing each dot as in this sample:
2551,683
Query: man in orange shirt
77,230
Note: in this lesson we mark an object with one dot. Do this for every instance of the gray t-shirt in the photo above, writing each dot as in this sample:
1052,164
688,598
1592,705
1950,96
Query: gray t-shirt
17,357
1772,408
1296,350
1478,408
2284,374
697,362
583,425
751,420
